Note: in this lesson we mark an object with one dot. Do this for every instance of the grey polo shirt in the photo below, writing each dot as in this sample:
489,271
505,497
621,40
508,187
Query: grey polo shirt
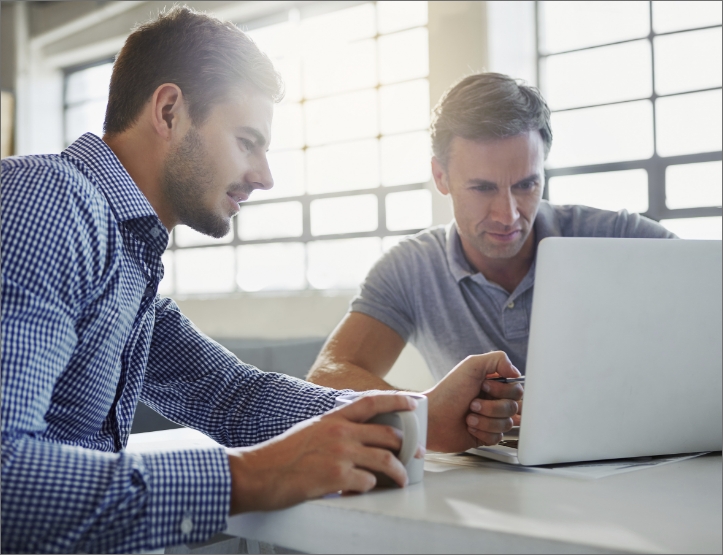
426,291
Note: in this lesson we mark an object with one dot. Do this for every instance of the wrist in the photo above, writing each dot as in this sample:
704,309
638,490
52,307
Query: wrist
246,485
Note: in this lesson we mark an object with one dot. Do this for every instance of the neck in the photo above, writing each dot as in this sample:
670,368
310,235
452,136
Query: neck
505,272
142,159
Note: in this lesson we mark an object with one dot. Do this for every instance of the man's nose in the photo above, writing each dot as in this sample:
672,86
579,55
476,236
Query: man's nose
261,173
505,208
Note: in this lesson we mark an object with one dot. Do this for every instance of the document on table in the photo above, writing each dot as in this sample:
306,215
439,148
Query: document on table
590,470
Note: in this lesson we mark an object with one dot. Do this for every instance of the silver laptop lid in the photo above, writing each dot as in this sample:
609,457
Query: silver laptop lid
624,357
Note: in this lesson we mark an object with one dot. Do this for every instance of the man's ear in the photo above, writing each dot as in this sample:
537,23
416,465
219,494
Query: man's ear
441,180
168,110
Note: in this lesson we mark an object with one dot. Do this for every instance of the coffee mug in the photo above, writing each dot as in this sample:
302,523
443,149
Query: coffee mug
412,424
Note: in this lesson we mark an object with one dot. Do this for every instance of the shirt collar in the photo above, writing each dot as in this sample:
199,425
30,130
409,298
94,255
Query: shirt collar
124,197
546,225
129,205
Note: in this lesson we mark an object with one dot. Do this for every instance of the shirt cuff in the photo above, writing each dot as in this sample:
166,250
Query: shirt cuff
190,495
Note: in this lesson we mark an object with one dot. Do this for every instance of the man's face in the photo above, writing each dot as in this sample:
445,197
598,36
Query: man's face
217,165
496,188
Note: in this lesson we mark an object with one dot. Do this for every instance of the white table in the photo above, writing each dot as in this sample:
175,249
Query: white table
672,508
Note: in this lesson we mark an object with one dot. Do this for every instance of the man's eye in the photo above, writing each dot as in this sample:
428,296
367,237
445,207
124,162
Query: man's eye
526,186
248,145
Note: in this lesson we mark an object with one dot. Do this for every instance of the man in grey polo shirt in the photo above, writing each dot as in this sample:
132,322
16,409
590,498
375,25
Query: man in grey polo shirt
466,288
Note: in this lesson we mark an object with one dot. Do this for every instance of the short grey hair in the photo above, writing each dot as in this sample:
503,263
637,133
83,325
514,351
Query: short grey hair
488,106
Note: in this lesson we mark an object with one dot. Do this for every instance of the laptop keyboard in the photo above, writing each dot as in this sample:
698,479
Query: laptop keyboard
512,443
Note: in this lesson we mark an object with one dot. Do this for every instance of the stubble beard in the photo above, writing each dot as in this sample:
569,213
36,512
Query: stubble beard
187,175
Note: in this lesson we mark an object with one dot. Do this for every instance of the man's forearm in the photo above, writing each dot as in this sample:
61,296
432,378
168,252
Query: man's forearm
345,375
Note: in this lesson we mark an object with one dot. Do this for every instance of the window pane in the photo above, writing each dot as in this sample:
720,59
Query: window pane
409,210
404,107
85,118
689,123
271,267
609,191
394,15
184,236
603,134
286,128
404,56
340,118
341,264
345,67
570,25
287,169
600,75
278,40
688,61
88,84
696,228
673,16
341,26
693,185
269,221
290,69
165,288
343,167
406,158
344,214
205,270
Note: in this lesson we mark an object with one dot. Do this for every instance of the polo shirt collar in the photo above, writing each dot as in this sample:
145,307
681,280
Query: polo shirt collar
546,225
105,170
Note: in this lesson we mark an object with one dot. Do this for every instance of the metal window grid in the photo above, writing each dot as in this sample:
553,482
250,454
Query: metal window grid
656,164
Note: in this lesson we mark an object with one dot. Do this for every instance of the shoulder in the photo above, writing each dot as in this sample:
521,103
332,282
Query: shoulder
584,221
423,248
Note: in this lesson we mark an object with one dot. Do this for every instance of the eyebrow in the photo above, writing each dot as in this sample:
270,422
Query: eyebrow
258,136
487,183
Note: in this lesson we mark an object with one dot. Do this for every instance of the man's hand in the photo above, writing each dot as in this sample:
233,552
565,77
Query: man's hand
330,453
458,418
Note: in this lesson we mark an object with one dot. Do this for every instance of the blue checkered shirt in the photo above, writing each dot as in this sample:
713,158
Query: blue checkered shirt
84,337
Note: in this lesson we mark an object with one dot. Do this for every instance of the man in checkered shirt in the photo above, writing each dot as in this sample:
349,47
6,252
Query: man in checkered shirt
85,336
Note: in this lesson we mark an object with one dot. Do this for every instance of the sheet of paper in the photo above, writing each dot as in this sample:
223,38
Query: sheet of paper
590,470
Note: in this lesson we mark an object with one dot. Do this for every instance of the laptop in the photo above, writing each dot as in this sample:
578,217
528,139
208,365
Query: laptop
624,356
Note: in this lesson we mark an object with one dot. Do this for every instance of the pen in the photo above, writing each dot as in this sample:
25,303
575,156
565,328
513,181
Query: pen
521,379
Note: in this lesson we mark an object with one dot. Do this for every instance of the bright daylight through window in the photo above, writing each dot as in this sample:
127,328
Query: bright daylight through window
635,90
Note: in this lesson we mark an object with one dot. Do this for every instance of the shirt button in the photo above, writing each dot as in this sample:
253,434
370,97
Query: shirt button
155,232
511,304
186,525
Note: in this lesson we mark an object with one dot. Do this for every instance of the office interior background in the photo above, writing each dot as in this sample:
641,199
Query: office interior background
634,87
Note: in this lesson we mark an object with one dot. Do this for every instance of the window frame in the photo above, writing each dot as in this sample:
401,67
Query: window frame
656,165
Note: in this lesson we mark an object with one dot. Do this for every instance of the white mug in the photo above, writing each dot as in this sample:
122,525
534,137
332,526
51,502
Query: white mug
412,424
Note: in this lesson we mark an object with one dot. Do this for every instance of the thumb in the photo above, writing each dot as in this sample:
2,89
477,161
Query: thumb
497,362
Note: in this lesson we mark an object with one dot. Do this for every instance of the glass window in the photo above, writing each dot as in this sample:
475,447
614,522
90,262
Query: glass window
287,130
599,75
344,215
693,185
287,170
689,123
271,267
615,190
396,15
602,134
205,270
688,61
346,67
184,236
675,16
341,118
404,56
409,210
406,158
696,228
343,167
89,84
270,221
404,107
571,25
341,263
166,288
391,241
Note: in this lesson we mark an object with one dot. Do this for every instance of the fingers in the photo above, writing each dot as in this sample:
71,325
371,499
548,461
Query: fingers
369,406
378,435
500,390
381,461
489,425
484,438
494,408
